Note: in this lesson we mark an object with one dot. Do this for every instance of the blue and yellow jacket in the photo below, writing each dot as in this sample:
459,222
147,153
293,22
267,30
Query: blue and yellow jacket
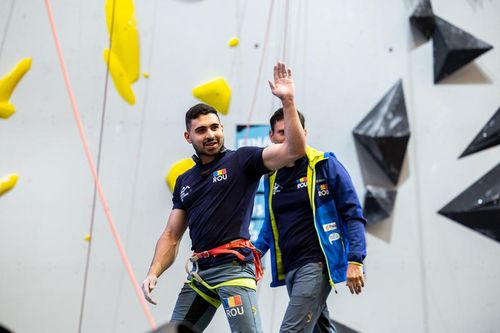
338,218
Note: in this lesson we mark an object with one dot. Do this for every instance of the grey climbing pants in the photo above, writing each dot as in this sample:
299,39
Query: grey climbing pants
197,304
308,288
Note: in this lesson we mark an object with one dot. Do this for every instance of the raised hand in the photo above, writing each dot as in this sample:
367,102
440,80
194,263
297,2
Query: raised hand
283,86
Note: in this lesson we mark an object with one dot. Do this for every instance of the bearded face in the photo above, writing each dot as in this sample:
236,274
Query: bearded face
206,135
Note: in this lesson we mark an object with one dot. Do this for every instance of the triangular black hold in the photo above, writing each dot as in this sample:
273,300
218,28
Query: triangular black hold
378,204
488,136
387,152
385,132
478,207
453,48
4,330
423,18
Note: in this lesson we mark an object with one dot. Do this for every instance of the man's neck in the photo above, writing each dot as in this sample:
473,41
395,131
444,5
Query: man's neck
292,164
207,159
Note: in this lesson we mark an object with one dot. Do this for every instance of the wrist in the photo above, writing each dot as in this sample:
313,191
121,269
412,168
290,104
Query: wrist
355,257
355,263
152,272
288,100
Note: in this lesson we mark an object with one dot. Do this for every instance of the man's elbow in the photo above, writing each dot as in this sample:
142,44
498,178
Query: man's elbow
170,238
296,151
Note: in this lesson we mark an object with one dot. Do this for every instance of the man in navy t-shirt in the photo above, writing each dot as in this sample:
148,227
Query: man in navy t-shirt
314,227
215,200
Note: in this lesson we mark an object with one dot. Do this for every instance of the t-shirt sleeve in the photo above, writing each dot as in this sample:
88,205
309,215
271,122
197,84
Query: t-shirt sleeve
176,198
250,158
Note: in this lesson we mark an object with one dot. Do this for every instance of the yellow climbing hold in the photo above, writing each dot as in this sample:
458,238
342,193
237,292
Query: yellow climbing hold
123,60
7,183
216,93
145,75
233,42
87,237
7,85
178,169
6,110
119,77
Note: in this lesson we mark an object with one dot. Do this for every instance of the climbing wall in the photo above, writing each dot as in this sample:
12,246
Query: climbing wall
135,67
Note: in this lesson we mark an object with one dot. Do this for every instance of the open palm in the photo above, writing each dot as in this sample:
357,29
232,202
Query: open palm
283,85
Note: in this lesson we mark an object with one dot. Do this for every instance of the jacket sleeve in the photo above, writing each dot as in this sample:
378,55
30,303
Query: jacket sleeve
265,235
264,239
349,209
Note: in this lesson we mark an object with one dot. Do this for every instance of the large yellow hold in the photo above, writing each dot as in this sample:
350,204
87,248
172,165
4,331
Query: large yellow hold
215,93
7,85
178,169
123,60
7,183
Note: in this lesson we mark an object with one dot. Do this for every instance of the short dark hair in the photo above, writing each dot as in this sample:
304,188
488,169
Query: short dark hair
278,115
198,110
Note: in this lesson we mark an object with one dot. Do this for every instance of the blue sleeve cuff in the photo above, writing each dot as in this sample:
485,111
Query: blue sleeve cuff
356,257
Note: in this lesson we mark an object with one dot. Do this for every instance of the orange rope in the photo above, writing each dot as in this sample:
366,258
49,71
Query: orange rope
93,170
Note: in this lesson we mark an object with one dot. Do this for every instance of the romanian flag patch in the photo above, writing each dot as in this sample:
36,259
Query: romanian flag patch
301,180
232,301
220,172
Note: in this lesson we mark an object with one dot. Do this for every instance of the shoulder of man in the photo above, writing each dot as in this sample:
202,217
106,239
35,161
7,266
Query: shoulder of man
248,149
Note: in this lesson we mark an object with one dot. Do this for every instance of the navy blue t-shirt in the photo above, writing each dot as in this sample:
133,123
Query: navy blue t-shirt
298,239
218,198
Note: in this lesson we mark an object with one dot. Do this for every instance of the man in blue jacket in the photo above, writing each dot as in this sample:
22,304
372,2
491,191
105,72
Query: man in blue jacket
315,229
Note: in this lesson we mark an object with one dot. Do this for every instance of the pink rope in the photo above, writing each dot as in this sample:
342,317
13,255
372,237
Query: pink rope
93,170
259,73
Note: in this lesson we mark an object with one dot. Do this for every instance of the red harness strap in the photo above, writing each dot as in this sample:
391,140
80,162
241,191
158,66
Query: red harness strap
228,249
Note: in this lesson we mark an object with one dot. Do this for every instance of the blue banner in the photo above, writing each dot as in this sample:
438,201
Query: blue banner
254,135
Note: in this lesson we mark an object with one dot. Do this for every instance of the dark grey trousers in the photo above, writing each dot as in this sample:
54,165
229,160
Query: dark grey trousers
240,303
308,288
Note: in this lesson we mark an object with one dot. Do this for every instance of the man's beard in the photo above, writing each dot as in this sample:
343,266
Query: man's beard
204,151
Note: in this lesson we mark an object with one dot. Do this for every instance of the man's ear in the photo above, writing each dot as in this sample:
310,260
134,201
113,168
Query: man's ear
305,131
271,133
187,137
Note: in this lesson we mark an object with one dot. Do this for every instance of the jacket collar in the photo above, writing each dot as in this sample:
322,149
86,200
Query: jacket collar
314,155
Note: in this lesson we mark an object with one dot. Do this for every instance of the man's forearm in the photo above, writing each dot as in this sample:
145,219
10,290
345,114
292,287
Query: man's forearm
294,133
165,253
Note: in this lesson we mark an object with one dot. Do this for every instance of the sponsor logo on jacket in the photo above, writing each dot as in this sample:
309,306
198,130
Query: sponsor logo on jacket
333,237
329,226
220,175
323,190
